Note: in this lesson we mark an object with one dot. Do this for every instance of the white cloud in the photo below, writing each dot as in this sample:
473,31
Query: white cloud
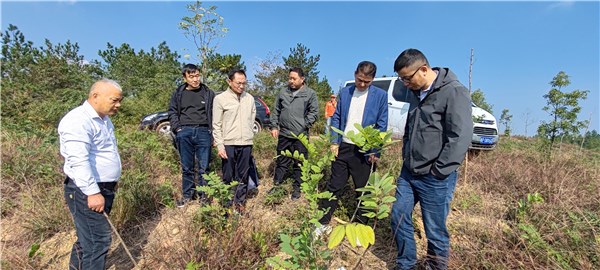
69,2
560,5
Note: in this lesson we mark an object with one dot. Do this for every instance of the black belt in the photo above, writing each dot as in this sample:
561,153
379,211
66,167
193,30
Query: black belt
103,185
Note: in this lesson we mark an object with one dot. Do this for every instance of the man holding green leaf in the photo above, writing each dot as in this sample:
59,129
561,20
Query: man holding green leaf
365,105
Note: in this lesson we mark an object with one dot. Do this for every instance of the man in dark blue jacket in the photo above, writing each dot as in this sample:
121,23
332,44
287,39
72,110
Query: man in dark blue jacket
190,115
364,104
437,135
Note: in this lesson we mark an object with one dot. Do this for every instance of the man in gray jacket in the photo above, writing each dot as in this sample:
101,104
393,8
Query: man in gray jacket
296,109
437,135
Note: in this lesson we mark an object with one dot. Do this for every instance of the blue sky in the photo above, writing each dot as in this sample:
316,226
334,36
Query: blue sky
518,47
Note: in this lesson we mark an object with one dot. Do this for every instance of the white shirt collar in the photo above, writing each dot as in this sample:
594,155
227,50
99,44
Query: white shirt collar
87,107
423,93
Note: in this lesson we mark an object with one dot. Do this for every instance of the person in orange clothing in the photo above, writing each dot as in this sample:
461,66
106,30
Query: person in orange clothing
329,110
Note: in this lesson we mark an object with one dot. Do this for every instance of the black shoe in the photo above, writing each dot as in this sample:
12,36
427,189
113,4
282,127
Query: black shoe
182,202
252,193
296,194
204,199
228,204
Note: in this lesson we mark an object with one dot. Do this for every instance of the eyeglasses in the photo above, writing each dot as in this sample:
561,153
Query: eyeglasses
407,79
239,83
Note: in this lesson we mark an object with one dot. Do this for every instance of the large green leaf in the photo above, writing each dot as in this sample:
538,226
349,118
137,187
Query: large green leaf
383,209
286,244
364,189
369,204
351,234
369,215
388,199
383,215
365,235
336,237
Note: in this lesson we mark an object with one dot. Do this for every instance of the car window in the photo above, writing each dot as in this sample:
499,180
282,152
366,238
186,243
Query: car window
400,92
385,85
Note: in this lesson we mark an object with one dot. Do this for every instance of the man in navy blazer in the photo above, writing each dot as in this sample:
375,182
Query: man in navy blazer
366,105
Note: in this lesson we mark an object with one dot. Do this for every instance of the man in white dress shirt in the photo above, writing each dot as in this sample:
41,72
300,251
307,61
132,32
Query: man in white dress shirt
92,168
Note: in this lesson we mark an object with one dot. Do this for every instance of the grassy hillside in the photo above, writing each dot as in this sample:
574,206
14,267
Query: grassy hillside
514,208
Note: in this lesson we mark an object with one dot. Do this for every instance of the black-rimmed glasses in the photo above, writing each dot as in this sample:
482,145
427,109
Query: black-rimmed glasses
407,79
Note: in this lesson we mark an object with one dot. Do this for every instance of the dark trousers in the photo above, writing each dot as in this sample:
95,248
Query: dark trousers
349,162
194,145
93,230
283,163
237,167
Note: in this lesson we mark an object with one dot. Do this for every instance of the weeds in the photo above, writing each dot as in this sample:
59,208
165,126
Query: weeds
523,205
559,228
277,195
217,190
214,214
304,251
538,231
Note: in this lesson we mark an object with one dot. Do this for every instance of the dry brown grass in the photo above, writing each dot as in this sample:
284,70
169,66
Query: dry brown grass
243,243
31,198
487,230
488,234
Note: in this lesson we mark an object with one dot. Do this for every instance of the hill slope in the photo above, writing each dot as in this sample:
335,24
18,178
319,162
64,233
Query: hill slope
514,207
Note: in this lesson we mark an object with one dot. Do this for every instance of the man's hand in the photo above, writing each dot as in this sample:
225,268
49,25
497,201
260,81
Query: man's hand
436,175
373,159
275,133
223,154
334,149
96,202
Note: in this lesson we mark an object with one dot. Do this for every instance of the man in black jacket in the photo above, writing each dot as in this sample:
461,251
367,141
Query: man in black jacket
190,114
436,137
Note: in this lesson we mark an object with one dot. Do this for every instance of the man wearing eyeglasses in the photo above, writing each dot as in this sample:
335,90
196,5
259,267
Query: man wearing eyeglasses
363,104
190,115
437,135
233,118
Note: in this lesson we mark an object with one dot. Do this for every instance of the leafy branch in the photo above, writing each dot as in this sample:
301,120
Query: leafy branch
375,199
304,250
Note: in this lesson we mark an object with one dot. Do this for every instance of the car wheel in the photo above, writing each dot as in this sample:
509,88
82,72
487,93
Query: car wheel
256,128
164,129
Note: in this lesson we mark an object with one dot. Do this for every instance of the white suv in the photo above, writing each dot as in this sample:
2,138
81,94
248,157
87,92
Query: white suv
485,130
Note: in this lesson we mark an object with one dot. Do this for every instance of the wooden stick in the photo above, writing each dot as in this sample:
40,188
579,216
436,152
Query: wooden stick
120,239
